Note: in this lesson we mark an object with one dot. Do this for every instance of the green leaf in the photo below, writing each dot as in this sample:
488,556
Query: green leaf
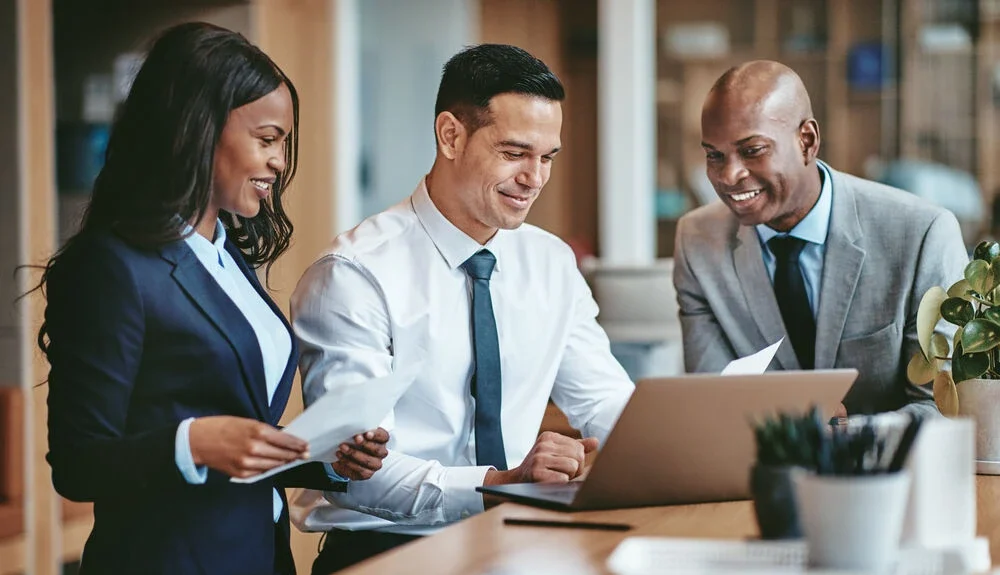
928,315
980,335
968,365
994,281
957,311
986,251
945,394
992,314
979,276
960,289
920,371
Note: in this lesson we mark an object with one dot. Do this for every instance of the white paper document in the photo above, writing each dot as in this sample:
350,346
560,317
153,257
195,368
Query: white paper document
342,413
753,364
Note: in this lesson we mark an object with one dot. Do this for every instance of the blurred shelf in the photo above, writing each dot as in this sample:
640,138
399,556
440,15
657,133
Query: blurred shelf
734,56
72,510
11,520
813,57
74,536
955,53
13,555
871,96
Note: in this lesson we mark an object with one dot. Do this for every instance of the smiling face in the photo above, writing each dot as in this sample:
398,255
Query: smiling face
250,155
499,170
760,156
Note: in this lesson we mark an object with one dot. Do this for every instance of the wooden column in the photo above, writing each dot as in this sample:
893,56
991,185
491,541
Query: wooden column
300,36
836,147
535,26
36,215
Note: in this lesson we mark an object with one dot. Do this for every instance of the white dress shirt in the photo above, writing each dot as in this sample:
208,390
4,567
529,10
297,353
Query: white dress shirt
275,342
400,269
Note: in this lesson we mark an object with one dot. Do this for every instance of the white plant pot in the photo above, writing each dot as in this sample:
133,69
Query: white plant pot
980,400
855,522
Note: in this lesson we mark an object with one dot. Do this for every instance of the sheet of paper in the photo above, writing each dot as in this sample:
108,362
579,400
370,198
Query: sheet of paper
753,364
342,413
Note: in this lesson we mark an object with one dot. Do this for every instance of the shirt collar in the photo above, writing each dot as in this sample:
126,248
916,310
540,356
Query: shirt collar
204,249
814,226
452,243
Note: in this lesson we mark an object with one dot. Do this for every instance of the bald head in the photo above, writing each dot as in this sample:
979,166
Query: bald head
762,86
761,143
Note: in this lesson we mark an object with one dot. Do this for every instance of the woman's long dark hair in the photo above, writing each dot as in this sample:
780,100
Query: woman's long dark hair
160,155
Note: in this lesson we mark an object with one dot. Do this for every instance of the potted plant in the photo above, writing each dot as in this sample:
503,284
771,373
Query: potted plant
970,388
784,442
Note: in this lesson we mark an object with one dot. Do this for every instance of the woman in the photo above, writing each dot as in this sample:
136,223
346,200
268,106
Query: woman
170,364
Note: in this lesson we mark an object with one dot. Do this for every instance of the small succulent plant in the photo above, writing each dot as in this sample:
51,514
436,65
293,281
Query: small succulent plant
789,440
810,442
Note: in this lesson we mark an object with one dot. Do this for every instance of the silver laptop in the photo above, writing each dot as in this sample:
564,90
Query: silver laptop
686,439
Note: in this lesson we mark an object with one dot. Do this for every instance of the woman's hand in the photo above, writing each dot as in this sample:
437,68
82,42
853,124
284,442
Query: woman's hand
242,447
360,460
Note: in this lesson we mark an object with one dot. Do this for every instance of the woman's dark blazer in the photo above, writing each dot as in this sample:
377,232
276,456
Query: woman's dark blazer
141,340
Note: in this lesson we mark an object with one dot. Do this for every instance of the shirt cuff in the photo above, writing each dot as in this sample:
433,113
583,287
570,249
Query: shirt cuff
459,495
333,474
276,505
193,474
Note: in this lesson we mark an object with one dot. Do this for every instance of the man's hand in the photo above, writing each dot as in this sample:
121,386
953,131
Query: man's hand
555,458
360,460
242,447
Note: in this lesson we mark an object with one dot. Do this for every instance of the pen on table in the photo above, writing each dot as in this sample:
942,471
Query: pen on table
569,524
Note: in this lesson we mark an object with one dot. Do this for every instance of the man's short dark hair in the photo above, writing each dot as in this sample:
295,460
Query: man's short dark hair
475,75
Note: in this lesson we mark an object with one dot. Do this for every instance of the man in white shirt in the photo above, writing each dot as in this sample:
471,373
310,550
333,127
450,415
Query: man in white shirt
497,310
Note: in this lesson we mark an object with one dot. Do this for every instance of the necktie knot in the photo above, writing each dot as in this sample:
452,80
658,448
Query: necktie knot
480,265
786,248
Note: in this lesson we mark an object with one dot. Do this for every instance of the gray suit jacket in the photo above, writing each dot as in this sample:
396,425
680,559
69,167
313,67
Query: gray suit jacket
884,249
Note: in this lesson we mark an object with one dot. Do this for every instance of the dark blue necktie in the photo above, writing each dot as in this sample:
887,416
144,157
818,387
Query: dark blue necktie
486,376
790,291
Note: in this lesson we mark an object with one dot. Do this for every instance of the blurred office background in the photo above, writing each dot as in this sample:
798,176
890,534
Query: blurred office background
905,91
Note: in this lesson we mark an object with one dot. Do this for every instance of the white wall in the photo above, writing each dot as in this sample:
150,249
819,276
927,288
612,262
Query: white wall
403,48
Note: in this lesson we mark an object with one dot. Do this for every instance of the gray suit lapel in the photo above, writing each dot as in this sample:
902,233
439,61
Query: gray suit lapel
759,294
841,270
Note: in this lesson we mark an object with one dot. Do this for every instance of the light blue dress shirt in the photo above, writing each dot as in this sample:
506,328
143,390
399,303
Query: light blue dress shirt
275,341
812,229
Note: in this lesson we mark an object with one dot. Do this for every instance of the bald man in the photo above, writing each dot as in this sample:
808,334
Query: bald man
834,263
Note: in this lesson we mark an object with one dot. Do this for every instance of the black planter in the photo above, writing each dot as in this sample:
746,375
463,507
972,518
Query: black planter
774,502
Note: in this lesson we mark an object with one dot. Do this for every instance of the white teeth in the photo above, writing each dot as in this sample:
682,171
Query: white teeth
262,186
746,196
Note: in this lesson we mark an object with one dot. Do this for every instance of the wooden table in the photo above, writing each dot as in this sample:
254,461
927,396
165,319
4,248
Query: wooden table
484,545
